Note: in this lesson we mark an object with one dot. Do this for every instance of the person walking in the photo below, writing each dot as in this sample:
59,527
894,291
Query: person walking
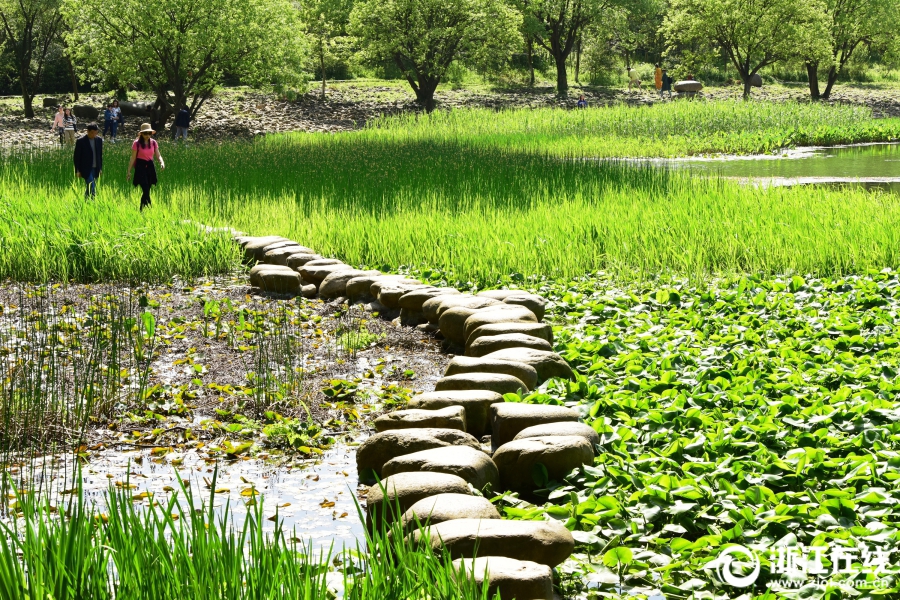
182,122
143,151
70,124
89,159
657,77
666,84
58,123
118,121
108,120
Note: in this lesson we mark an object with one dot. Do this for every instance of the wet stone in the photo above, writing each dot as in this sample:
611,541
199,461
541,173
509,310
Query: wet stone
451,417
547,364
378,449
402,490
538,330
314,273
295,261
504,313
560,428
335,283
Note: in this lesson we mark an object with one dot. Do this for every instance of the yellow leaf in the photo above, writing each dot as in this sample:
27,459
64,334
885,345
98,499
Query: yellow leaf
326,504
222,490
249,491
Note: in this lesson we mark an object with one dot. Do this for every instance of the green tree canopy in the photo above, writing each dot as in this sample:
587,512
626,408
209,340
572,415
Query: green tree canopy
752,33
423,37
850,24
30,28
182,49
325,23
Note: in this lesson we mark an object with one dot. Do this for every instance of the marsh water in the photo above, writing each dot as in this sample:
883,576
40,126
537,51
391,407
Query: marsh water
872,166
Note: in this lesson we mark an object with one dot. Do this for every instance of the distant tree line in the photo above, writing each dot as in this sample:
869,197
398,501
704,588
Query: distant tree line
181,50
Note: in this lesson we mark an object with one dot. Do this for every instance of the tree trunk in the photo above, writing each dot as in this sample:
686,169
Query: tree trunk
425,93
832,79
28,101
562,79
747,79
322,66
577,60
531,62
74,79
812,72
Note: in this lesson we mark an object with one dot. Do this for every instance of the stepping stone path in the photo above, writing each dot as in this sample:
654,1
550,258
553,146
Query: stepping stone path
428,457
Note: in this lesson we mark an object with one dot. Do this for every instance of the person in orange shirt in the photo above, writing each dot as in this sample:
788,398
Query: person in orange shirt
659,76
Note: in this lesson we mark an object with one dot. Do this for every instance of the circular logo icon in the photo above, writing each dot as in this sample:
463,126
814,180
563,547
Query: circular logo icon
731,562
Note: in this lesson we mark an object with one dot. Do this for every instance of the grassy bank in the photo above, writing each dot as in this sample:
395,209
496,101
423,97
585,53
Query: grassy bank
475,210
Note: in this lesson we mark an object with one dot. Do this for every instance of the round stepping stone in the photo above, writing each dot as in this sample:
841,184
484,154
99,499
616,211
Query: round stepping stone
547,364
544,542
560,428
335,283
538,330
316,273
452,322
390,294
509,418
492,343
401,491
254,248
295,261
382,447
500,295
532,302
446,507
503,313
513,579
257,270
474,466
379,284
414,299
466,364
451,417
279,256
359,288
516,460
411,318
494,382
438,305
476,402
280,282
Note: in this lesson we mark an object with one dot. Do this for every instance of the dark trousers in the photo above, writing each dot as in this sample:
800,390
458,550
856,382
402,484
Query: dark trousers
90,182
145,195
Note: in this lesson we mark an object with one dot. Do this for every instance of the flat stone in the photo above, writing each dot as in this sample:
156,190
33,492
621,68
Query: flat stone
379,284
466,364
505,313
280,282
446,507
314,273
559,454
474,466
561,428
547,364
282,244
253,247
279,256
309,290
532,302
500,295
360,288
538,330
509,418
451,417
495,382
492,343
476,402
411,318
414,299
544,542
390,294
335,283
452,322
513,579
257,270
405,489
435,307
295,261
382,447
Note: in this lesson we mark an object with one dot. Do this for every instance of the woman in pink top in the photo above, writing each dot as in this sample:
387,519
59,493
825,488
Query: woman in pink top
143,151
58,123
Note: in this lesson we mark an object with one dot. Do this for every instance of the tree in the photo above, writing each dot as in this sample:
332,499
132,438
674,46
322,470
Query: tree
557,26
850,24
30,28
326,22
181,49
752,33
423,37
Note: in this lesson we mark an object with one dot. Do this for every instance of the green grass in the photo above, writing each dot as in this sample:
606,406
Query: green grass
468,204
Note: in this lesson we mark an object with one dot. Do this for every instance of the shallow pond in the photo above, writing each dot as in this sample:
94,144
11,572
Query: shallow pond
873,166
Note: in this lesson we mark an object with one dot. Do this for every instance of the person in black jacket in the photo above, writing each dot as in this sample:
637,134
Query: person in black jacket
182,122
89,159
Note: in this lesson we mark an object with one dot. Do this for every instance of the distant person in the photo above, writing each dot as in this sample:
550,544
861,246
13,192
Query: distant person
70,126
666,84
59,123
182,122
143,151
634,80
109,122
89,159
118,118
657,78
582,103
